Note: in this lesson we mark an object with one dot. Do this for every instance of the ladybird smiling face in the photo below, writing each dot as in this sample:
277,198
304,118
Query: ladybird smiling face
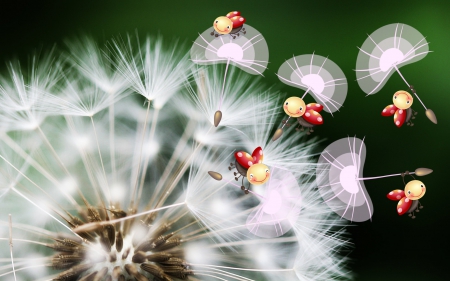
402,99
223,25
258,174
294,107
414,190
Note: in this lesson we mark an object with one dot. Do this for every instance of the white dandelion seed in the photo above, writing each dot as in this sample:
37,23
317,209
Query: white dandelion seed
384,52
318,76
340,179
249,52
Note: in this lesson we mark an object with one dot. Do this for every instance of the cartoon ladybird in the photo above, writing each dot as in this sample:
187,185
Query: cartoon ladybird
251,167
408,199
307,115
400,109
231,24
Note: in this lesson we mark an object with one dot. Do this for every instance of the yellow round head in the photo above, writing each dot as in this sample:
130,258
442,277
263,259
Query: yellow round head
258,174
402,99
223,25
414,190
294,107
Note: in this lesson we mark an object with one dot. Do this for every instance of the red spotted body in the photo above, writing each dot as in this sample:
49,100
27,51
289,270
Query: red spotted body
250,167
232,23
408,199
400,115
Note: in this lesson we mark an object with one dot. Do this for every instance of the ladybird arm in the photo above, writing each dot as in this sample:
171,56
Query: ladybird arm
396,195
237,21
257,155
313,117
314,106
403,206
399,117
389,110
244,159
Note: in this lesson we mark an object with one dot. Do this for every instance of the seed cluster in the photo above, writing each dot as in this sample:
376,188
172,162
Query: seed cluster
156,257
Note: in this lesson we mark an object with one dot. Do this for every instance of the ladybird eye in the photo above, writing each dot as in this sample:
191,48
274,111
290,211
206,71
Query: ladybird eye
301,108
287,103
421,185
267,170
251,175
407,101
217,21
228,26
395,97
409,191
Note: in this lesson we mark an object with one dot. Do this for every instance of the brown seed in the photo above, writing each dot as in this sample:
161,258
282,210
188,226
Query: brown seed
215,175
430,114
159,257
119,241
217,118
422,171
277,134
139,257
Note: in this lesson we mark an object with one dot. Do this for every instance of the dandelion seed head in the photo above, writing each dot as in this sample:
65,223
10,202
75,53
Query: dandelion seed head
108,185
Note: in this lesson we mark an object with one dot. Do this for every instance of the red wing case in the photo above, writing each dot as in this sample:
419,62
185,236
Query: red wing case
389,110
403,206
237,21
396,195
257,155
244,159
313,117
399,117
314,106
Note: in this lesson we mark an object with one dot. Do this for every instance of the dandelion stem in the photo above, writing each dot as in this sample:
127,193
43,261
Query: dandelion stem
111,142
242,269
47,142
93,225
11,246
379,177
173,159
140,154
14,146
414,92
37,206
147,157
224,80
101,158
180,173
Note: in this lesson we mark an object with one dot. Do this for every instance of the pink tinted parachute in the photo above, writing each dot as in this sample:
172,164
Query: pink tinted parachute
385,51
340,168
319,76
247,51
279,208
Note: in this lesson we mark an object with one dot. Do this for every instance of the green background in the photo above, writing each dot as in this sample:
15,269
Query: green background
389,247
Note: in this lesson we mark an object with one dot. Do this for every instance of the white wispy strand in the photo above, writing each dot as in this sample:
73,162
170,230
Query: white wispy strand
292,152
23,97
239,90
154,71
92,62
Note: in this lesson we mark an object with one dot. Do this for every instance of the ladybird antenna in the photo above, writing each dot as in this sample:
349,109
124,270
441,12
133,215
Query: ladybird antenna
428,112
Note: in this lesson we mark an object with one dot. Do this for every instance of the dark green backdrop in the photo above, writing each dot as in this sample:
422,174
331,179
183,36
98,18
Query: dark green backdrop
388,248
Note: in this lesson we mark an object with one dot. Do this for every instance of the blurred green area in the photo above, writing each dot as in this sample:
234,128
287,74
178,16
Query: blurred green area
389,247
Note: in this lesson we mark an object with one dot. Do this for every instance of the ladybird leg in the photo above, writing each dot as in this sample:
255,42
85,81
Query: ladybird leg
298,128
212,33
420,205
237,178
217,35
